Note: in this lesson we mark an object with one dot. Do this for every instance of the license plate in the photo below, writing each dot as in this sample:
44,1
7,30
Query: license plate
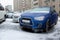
26,21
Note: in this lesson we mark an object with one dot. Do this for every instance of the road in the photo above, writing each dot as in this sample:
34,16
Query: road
12,31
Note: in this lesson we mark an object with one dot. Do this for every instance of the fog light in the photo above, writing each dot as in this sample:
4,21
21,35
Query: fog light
39,25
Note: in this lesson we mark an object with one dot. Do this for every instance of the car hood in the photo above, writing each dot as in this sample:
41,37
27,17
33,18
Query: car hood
34,14
16,14
9,13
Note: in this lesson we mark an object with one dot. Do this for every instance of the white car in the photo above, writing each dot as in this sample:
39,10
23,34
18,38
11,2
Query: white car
2,14
16,16
9,14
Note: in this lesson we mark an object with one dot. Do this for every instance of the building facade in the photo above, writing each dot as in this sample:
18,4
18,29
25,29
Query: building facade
53,3
22,5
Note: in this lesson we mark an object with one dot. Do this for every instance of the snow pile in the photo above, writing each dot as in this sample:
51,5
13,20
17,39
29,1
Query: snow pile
20,35
11,31
56,34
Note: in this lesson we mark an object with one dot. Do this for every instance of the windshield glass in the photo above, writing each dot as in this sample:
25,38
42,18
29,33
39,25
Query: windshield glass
39,10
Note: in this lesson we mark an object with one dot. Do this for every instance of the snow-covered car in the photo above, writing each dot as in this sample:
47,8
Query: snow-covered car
2,14
9,14
16,16
39,19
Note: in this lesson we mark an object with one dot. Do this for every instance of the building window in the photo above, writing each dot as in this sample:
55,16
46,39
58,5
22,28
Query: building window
53,0
59,5
53,6
59,12
36,4
47,1
35,0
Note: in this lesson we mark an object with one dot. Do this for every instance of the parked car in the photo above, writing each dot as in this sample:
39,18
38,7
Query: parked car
39,19
2,14
9,14
16,16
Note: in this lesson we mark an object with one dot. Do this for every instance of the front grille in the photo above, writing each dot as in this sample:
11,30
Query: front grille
29,21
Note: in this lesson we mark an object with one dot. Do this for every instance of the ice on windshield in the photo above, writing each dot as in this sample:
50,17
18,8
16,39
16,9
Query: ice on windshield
38,10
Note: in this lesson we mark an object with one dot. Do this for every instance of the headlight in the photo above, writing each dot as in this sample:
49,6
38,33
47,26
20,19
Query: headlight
39,18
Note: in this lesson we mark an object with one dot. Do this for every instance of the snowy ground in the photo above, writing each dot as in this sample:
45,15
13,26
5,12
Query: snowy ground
11,31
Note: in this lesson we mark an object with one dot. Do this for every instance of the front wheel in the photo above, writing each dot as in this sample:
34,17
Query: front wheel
47,26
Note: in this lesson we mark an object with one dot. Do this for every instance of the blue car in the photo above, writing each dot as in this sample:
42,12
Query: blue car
39,19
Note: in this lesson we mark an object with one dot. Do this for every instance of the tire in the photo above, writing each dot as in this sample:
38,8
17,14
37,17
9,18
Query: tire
47,26
56,22
5,16
4,19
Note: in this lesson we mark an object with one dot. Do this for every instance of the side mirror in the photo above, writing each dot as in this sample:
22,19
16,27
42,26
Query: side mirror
51,13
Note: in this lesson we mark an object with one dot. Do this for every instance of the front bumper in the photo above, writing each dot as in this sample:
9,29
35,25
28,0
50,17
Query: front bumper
34,24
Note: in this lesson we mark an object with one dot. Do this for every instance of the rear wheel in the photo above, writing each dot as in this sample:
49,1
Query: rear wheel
4,18
56,22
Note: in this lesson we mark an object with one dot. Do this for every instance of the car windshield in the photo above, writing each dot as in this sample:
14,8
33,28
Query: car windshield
39,10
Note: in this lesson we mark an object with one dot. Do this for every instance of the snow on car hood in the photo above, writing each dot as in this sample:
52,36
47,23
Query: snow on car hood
17,14
35,14
9,13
